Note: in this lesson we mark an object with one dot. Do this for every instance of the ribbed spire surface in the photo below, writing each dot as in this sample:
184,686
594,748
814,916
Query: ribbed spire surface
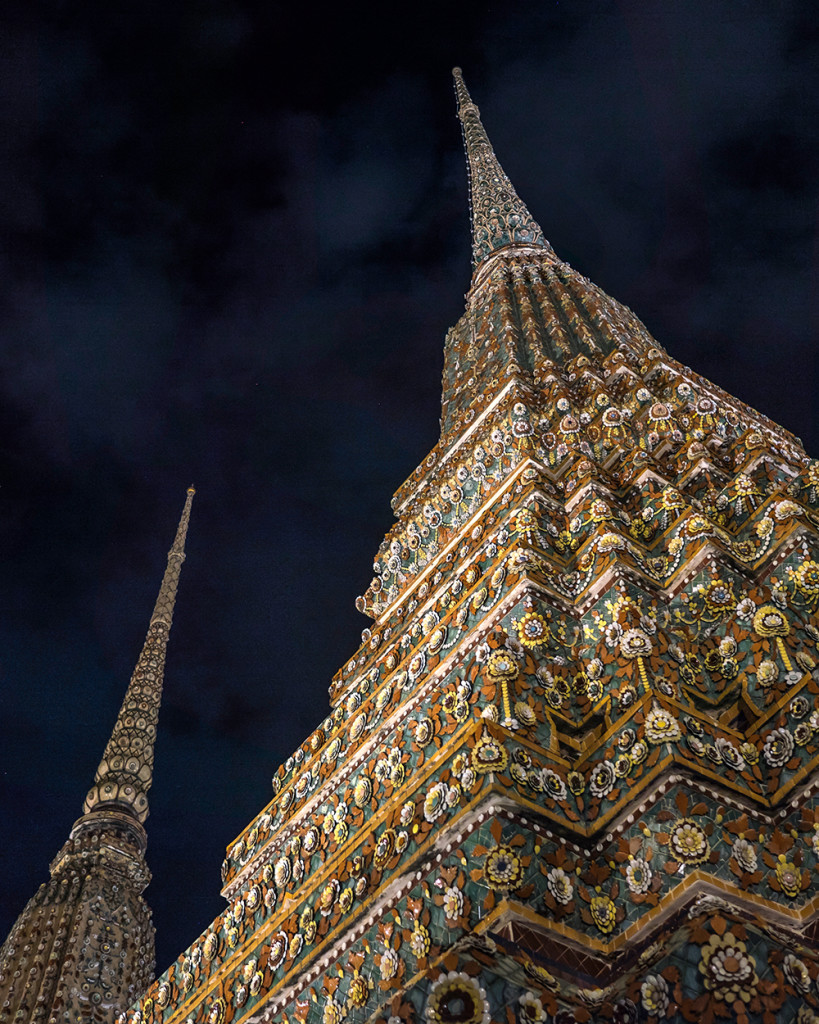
125,773
83,947
499,216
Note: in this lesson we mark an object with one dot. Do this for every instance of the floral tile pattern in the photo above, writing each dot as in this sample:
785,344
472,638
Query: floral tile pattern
570,774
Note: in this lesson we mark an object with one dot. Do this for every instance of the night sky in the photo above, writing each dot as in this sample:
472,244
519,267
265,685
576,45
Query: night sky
234,235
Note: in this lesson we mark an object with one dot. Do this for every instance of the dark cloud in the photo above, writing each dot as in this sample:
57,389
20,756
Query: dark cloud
235,235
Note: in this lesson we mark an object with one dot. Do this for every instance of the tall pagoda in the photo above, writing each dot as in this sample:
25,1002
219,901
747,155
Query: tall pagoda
83,947
569,775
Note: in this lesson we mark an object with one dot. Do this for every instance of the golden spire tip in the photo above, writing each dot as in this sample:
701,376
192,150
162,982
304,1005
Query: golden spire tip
125,773
499,217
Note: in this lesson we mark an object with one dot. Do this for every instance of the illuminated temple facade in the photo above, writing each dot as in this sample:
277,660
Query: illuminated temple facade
570,773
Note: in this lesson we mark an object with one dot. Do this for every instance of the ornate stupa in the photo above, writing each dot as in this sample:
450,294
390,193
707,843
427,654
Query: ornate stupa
83,947
569,774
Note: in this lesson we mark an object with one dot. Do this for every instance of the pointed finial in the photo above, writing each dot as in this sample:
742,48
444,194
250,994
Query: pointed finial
499,217
125,773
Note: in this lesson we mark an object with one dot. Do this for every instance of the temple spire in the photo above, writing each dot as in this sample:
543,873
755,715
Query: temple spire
499,216
125,773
